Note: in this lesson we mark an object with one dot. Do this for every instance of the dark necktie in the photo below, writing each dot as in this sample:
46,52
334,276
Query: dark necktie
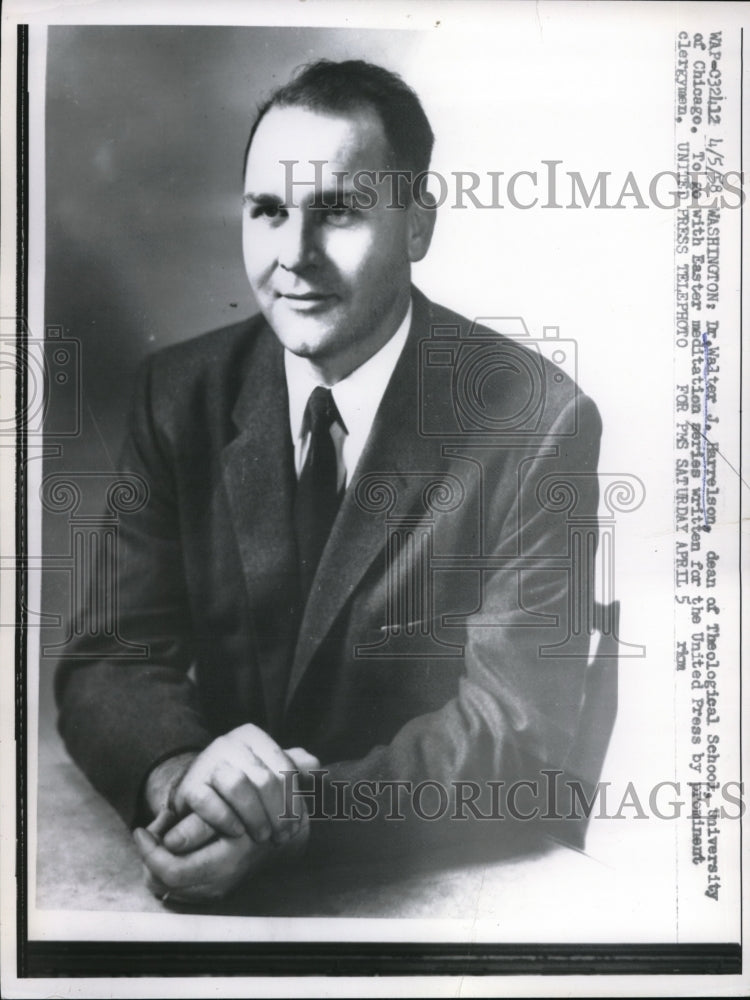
317,497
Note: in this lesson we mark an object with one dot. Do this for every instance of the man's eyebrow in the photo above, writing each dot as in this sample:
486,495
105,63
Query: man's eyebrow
324,196
262,199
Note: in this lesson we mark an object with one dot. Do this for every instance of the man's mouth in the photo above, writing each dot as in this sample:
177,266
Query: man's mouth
306,301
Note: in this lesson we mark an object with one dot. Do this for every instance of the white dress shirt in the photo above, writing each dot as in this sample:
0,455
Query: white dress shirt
357,397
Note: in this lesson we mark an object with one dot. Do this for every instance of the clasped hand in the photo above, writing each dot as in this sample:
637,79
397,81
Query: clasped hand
222,815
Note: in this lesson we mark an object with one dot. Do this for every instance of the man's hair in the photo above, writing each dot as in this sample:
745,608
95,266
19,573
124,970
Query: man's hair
356,85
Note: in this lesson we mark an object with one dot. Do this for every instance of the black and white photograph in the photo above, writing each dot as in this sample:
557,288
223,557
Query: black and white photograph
373,497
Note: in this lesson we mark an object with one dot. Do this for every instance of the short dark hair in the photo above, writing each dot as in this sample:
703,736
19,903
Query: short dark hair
354,85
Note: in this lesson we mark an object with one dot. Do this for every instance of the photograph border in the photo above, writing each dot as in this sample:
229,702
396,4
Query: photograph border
37,958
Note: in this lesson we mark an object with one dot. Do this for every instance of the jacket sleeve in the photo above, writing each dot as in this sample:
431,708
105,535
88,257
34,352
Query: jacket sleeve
516,711
120,714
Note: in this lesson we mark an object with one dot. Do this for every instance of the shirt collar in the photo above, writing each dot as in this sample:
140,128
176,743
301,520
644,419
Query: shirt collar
357,396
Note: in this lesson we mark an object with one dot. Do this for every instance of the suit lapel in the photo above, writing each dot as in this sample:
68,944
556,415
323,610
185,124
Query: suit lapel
396,449
258,470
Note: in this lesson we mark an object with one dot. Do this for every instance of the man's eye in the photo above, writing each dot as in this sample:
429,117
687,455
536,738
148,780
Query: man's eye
339,215
267,211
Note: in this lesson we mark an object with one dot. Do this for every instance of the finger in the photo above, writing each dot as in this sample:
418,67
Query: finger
230,779
254,791
305,764
173,872
269,773
238,788
163,822
206,873
303,760
203,799
188,835
154,886
174,897
266,749
150,850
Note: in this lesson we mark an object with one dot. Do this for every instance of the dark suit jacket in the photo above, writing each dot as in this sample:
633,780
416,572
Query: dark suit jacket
416,659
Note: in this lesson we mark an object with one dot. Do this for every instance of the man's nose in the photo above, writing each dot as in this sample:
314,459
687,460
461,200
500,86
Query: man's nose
297,247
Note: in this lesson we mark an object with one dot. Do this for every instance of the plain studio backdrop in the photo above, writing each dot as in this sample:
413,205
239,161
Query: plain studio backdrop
145,132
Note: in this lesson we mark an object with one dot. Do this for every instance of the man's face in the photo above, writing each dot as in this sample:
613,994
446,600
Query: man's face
333,282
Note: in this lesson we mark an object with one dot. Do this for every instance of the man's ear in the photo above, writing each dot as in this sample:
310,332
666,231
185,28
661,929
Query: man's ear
422,216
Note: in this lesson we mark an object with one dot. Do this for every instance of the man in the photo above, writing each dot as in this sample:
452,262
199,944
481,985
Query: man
306,471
